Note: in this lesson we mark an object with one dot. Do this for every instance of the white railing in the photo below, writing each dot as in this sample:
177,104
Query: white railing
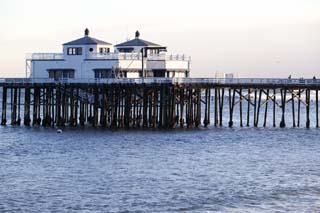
138,56
115,56
110,56
169,57
221,81
44,56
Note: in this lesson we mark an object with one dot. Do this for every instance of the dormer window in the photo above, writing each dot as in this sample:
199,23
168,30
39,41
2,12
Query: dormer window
104,50
74,51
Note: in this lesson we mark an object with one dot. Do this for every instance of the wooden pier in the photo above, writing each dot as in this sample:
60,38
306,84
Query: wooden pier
159,103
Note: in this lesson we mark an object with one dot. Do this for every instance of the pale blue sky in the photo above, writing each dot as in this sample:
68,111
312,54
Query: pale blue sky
254,38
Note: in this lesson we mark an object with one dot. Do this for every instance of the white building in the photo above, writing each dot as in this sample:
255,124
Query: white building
88,57
220,74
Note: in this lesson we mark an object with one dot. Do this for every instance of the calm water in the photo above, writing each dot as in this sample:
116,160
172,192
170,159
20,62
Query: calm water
215,170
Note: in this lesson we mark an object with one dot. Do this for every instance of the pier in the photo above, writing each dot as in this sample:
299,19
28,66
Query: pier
156,103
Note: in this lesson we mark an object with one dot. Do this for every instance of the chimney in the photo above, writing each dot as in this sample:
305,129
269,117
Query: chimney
137,34
86,32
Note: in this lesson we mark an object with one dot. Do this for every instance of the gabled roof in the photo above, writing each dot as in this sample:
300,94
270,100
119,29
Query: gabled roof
87,41
137,42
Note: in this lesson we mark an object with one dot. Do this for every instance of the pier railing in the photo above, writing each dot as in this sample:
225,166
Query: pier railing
234,81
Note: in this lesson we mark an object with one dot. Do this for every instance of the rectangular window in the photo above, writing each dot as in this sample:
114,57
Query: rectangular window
74,51
71,74
102,73
126,50
96,74
58,74
104,50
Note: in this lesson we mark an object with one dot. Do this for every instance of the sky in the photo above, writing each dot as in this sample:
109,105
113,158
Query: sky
250,38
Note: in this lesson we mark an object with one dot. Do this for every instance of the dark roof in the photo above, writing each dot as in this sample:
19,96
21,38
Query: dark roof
137,42
87,41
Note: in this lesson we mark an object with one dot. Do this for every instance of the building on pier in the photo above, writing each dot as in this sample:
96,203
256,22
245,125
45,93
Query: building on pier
88,58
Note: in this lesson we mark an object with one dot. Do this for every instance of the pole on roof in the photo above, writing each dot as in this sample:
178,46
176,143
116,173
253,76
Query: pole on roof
142,54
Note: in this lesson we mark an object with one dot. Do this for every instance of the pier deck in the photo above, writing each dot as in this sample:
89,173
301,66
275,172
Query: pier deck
158,102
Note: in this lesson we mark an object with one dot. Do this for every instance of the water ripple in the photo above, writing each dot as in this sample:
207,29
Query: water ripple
210,170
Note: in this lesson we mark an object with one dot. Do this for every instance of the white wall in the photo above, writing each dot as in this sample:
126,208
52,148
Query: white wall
89,66
160,65
82,69
133,75
131,64
177,65
177,74
85,51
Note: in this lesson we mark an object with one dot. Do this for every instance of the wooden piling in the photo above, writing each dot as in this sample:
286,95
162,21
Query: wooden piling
182,104
283,107
18,121
293,110
299,106
231,106
255,108
27,118
198,108
4,106
274,108
221,101
240,106
266,109
307,108
258,109
248,107
317,108
95,107
14,104
207,106
36,106
216,101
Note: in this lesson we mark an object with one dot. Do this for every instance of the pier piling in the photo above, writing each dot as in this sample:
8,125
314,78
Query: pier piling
155,105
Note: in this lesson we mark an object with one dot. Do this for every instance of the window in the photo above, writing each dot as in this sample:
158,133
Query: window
104,50
102,73
91,49
74,51
126,50
153,51
159,73
58,74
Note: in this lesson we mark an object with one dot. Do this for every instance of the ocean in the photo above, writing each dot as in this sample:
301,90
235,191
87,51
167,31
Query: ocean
200,170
